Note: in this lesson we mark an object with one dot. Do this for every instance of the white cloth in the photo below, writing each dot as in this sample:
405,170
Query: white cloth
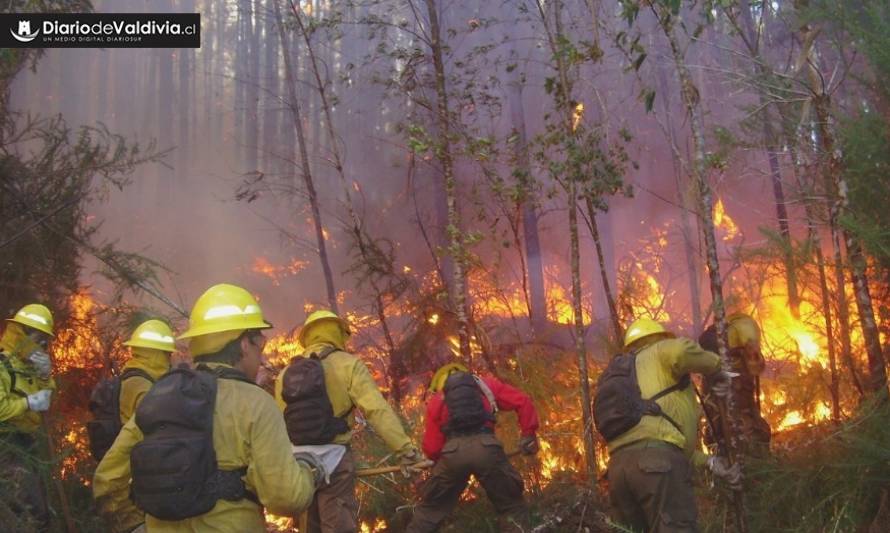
329,455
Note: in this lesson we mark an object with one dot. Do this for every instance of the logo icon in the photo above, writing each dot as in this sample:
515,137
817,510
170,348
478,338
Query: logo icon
24,34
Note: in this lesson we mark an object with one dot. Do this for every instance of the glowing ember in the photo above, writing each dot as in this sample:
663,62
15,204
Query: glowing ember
433,319
378,525
577,115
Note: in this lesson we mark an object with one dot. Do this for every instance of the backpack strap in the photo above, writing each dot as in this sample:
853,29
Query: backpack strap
486,391
136,372
652,407
323,353
225,372
4,359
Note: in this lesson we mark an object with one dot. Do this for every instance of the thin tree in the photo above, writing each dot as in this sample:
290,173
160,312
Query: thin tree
293,103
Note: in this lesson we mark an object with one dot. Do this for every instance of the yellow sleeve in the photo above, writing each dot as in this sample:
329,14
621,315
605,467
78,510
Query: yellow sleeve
366,396
132,392
284,486
11,404
685,355
111,482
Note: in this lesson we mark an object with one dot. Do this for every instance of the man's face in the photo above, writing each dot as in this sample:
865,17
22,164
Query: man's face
39,338
252,353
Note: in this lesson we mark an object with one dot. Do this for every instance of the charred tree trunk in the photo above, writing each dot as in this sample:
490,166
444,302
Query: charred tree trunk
294,105
453,230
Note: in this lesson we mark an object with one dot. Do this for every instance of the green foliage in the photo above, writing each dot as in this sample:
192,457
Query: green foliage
832,480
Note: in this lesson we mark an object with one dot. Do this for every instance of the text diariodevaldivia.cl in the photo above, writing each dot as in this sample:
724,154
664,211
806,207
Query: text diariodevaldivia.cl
54,27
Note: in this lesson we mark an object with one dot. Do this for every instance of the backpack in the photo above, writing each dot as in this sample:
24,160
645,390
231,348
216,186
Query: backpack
309,415
618,405
105,406
174,470
467,413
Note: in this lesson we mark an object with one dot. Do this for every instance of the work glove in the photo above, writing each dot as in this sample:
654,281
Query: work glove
529,445
731,474
319,473
41,362
39,401
721,381
413,462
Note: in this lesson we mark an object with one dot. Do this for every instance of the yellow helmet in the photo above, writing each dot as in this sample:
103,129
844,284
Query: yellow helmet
152,334
35,316
442,374
222,308
643,327
319,316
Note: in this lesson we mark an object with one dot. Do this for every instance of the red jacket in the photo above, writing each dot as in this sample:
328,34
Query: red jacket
508,398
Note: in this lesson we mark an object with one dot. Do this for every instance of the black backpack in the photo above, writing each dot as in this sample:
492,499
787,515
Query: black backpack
309,415
618,405
174,470
466,410
105,406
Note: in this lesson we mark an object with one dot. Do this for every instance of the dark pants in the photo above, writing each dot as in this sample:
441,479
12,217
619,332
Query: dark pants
482,456
650,486
18,466
335,508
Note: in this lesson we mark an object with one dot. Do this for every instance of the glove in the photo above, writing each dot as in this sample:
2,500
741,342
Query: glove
39,401
413,462
731,474
139,529
721,381
319,473
528,445
41,363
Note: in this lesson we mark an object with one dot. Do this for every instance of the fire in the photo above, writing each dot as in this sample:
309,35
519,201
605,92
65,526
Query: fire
378,525
722,221
433,319
577,115
261,265
276,524
79,345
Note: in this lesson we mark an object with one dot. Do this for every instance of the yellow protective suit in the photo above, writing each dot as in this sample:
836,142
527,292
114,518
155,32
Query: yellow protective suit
660,365
155,363
349,385
16,346
248,430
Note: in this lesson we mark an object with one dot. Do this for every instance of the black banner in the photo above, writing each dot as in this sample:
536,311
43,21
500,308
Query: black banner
100,30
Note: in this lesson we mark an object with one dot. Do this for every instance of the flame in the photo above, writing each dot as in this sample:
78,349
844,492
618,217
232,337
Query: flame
577,115
371,527
433,319
261,265
722,221
279,524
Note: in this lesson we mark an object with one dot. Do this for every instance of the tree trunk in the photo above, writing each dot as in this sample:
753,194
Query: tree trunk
454,231
252,73
607,289
271,145
534,264
706,213
184,56
397,370
294,104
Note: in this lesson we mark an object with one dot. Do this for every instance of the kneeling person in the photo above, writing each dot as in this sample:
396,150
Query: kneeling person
459,436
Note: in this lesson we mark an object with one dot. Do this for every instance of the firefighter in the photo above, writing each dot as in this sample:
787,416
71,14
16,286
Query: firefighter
114,401
746,359
459,436
25,391
250,455
650,465
344,385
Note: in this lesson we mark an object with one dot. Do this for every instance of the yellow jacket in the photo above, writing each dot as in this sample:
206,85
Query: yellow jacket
660,365
349,385
155,363
14,401
248,430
